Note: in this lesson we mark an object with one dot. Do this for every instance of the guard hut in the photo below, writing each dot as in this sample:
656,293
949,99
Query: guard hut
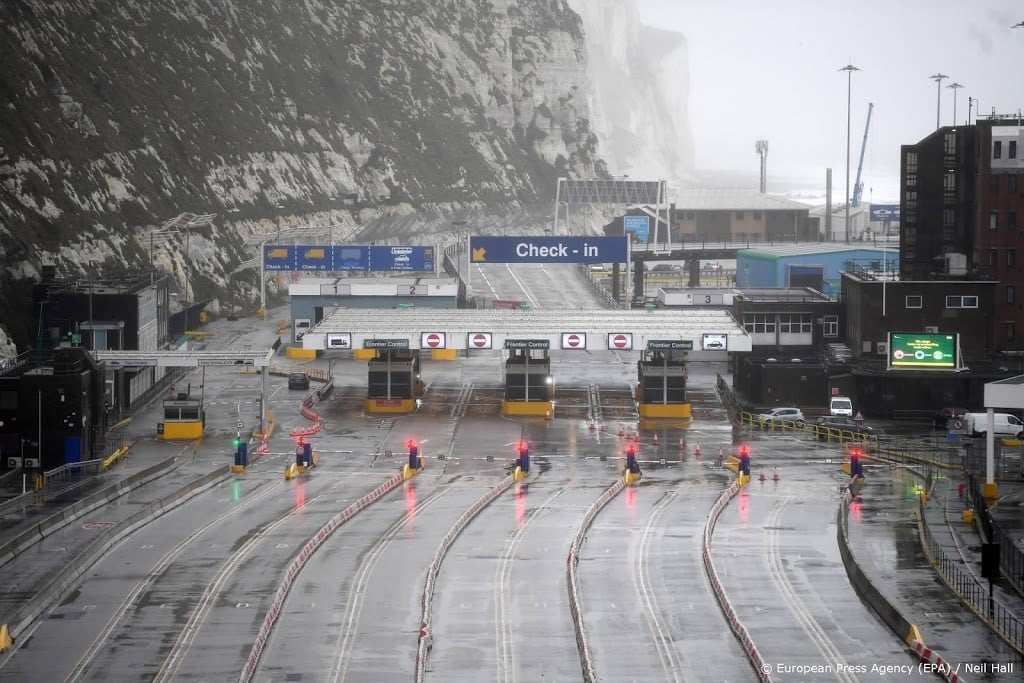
661,379
394,381
528,385
183,419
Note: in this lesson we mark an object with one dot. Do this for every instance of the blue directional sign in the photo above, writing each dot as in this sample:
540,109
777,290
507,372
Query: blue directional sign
402,258
881,213
639,225
313,258
278,257
350,257
548,249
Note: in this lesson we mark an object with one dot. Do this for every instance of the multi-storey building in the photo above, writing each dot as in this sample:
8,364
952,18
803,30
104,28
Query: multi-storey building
960,198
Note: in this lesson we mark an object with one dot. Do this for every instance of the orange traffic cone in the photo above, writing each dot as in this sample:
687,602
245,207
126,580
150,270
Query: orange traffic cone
655,440
696,450
592,426
720,454
547,416
621,430
604,427
762,477
682,445
775,475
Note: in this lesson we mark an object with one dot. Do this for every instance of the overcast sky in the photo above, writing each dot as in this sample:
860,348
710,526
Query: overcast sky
769,70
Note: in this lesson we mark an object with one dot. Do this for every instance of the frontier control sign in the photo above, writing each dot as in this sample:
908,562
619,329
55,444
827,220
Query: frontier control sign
548,249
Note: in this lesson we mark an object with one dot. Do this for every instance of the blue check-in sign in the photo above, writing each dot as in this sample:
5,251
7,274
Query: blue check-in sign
548,249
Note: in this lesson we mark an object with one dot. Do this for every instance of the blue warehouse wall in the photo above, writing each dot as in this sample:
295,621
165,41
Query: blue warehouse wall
766,269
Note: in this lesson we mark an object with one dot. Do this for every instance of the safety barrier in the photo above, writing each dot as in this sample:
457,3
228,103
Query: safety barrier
971,592
820,432
59,520
311,371
1011,556
311,546
572,581
310,414
74,568
425,639
763,672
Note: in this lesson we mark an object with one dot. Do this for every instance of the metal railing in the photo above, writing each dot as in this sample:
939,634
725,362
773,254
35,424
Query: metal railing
966,585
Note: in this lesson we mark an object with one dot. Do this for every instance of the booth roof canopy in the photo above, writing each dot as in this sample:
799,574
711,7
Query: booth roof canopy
535,323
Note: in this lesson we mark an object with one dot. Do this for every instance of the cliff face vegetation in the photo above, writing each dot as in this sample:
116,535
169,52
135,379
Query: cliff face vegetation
118,116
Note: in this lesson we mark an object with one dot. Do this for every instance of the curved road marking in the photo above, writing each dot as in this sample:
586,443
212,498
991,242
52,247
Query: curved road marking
653,615
828,650
357,591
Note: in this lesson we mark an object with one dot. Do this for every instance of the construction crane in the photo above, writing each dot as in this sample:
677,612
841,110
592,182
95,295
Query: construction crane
858,187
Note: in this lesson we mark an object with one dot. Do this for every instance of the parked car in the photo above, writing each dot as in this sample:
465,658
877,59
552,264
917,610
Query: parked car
949,418
298,380
1006,424
844,423
779,416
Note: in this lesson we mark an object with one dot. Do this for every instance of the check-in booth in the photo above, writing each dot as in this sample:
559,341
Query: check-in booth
529,389
393,379
661,379
183,419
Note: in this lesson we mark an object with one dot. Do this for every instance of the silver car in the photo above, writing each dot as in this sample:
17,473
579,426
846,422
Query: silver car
780,416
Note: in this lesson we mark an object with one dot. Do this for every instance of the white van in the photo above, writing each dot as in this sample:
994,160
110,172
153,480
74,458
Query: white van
840,405
1005,424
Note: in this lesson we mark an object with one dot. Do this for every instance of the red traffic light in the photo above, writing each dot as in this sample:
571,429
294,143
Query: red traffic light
855,452
744,450
631,449
521,446
301,441
410,443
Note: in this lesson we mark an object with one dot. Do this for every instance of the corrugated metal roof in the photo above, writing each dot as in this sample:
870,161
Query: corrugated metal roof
803,248
732,199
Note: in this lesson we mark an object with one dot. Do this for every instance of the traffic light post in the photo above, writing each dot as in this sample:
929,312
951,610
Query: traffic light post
631,472
415,464
241,454
522,463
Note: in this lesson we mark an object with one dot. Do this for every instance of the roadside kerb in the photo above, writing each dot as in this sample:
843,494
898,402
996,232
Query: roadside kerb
59,520
763,673
71,573
572,580
890,614
423,646
310,547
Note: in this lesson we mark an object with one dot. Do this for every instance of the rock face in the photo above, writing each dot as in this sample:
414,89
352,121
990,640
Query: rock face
119,116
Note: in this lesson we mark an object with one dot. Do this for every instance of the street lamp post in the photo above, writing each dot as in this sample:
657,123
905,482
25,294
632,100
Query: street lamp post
849,69
460,227
954,87
938,78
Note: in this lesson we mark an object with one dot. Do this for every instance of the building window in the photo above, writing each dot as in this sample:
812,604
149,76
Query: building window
739,215
914,301
757,215
961,301
1011,331
1011,257
949,143
997,149
993,184
1011,294
1012,152
1011,184
992,257
1011,220
993,220
830,326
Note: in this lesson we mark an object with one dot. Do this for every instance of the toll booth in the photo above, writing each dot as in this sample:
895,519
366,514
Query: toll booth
394,382
528,385
661,379
183,419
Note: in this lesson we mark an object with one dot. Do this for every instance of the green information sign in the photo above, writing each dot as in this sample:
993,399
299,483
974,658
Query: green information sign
927,351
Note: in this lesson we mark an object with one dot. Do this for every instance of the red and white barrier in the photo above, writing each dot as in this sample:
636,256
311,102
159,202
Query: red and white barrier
296,565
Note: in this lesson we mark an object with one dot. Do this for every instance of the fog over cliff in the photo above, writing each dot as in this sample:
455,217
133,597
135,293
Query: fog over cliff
382,118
